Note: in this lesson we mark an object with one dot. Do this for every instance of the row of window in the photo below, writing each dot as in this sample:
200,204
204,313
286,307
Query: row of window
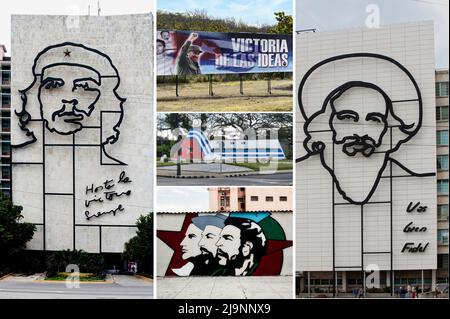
268,198
354,281
441,89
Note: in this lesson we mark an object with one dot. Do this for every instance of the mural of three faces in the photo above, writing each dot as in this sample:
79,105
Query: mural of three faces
221,244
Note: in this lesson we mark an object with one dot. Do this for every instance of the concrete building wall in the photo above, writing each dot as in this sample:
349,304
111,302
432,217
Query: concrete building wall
333,229
270,198
82,195
251,198
172,230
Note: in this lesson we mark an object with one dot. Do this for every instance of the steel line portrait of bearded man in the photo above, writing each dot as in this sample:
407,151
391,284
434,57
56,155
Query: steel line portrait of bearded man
74,88
364,124
355,122
65,132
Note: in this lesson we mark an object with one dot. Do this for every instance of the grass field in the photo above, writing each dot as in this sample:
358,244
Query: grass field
194,97
281,165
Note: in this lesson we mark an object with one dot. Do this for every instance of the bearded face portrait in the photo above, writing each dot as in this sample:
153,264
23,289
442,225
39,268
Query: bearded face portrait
68,95
359,124
241,246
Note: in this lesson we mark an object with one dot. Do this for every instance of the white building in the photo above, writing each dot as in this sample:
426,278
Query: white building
82,140
366,152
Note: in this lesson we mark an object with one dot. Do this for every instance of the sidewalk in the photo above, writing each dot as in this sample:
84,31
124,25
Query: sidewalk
258,287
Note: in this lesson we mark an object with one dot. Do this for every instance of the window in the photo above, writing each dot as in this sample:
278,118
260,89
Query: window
6,125
269,198
6,192
442,113
5,113
441,89
354,281
6,77
5,171
6,185
6,99
442,212
442,162
283,198
443,261
442,137
442,186
6,148
254,198
442,236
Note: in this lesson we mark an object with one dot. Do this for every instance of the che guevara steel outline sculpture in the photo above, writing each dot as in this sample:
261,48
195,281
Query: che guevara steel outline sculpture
69,54
366,145
52,83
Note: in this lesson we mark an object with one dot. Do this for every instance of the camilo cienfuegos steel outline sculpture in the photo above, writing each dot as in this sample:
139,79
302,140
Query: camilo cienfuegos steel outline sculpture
365,144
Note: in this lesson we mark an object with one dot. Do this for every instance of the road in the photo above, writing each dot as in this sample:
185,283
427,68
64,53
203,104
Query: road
278,179
122,288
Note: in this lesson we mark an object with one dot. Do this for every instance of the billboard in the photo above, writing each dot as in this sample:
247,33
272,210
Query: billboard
191,52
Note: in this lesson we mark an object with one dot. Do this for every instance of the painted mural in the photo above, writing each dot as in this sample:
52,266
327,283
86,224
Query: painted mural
234,244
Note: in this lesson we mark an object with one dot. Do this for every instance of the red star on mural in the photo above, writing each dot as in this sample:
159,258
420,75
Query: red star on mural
270,264
173,240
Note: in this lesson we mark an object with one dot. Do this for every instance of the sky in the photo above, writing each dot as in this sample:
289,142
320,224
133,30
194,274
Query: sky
182,199
328,15
253,12
52,7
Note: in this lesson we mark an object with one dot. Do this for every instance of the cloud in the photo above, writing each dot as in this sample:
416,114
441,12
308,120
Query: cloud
327,15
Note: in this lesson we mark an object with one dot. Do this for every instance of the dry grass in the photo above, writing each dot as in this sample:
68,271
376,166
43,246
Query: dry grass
227,98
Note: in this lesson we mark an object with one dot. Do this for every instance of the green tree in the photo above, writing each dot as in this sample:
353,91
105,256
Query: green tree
171,121
284,25
14,234
199,20
140,247
87,263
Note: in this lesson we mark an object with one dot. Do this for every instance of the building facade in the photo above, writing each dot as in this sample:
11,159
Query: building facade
442,174
366,160
250,198
5,130
82,128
